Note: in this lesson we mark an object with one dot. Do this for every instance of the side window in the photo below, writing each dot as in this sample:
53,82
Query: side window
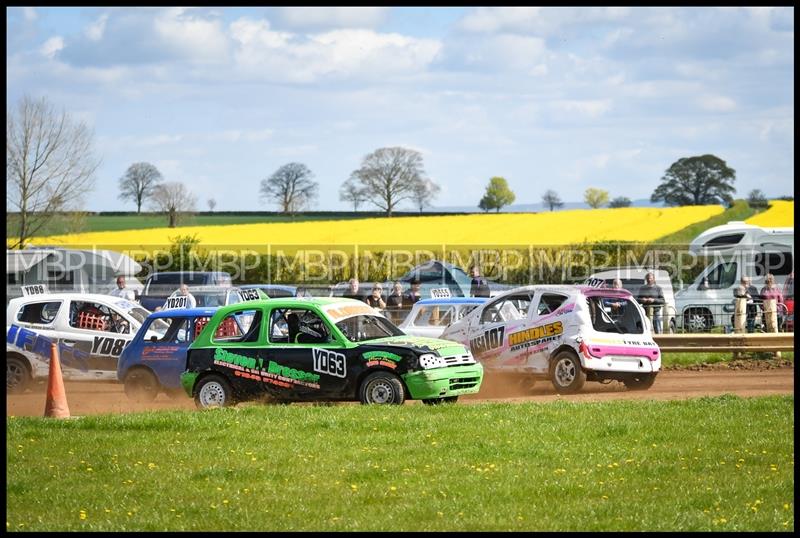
549,302
177,331
777,263
40,313
507,309
233,297
239,326
722,276
297,326
87,315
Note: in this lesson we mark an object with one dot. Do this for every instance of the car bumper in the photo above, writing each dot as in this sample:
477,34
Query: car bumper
444,382
611,363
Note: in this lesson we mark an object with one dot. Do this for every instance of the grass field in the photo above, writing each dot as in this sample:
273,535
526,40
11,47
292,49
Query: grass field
722,463
551,228
691,359
740,211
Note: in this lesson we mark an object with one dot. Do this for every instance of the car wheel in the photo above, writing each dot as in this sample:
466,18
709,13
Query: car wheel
437,401
18,376
566,373
697,320
213,391
640,381
141,385
381,388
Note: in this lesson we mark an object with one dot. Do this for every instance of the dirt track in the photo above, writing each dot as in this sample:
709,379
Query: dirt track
100,398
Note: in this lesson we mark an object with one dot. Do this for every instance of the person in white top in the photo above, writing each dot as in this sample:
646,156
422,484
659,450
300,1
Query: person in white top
122,291
191,302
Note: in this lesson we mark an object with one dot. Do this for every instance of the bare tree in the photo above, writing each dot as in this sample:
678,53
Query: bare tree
50,164
138,183
425,192
389,176
211,204
351,192
551,199
174,199
291,187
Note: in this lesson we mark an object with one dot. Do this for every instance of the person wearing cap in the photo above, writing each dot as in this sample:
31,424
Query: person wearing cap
375,299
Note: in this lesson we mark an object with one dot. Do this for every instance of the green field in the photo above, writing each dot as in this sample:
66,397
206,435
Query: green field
739,211
722,463
691,359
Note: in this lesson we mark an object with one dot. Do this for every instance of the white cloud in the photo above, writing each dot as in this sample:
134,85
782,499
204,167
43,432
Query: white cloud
593,108
193,37
51,47
333,17
338,53
95,30
716,103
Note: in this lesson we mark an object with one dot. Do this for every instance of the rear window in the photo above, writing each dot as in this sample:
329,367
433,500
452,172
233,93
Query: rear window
40,313
615,315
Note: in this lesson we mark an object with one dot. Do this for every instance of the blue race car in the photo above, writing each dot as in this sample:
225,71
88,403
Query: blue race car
156,357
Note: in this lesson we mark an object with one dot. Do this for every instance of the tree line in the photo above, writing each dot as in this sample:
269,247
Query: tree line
50,166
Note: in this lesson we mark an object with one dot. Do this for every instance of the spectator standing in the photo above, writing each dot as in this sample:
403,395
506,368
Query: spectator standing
651,297
771,295
191,302
375,299
745,308
352,290
413,295
395,300
479,287
122,291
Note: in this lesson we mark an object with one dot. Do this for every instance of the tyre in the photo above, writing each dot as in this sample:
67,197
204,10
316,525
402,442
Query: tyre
437,401
566,373
381,388
640,381
141,385
213,391
697,320
18,376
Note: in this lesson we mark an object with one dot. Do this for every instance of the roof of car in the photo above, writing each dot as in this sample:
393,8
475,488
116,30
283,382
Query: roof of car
102,297
453,300
566,289
269,286
209,288
184,312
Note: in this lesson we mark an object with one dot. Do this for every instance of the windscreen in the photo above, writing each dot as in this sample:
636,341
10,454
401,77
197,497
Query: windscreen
365,327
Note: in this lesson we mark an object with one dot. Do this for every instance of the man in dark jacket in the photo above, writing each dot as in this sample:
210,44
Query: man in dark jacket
479,287
651,297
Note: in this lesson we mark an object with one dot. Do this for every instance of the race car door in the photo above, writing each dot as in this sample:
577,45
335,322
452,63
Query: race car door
545,330
99,330
489,334
305,360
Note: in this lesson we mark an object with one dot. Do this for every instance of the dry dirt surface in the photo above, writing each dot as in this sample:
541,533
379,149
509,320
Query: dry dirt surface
93,398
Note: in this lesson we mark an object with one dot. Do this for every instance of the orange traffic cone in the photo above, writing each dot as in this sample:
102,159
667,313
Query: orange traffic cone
56,405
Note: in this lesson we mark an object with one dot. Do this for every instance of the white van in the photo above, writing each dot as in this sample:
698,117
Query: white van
734,250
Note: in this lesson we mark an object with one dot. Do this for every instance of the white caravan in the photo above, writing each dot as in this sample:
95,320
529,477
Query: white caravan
734,250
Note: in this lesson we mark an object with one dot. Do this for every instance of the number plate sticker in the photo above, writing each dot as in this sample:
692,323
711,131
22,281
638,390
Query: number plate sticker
175,302
441,293
248,295
34,289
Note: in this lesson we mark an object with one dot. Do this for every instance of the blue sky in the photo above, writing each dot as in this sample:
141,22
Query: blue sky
549,98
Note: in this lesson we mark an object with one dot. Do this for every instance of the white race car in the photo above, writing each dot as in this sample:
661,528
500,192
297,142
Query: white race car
430,317
90,330
568,334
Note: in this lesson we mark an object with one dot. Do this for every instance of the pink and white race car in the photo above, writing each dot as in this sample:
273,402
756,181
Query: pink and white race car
568,334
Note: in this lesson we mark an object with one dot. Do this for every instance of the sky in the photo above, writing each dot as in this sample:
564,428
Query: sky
549,98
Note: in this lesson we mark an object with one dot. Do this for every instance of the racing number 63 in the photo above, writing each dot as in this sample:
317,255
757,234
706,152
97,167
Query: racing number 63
329,362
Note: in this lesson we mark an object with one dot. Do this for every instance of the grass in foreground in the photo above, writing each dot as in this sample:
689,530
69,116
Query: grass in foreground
722,463
691,359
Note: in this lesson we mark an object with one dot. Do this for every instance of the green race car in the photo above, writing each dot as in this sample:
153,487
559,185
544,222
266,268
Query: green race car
321,349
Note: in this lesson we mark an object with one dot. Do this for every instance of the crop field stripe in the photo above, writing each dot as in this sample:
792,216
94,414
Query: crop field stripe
724,463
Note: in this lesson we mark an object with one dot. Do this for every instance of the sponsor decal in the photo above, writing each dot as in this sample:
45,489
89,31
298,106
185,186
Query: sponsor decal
594,282
381,362
338,312
40,345
489,340
535,335
372,355
34,289
330,362
275,373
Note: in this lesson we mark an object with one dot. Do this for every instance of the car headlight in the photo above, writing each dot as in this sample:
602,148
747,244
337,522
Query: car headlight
429,360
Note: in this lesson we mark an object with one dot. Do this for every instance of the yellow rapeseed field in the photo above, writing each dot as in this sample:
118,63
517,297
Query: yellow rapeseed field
548,228
779,214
